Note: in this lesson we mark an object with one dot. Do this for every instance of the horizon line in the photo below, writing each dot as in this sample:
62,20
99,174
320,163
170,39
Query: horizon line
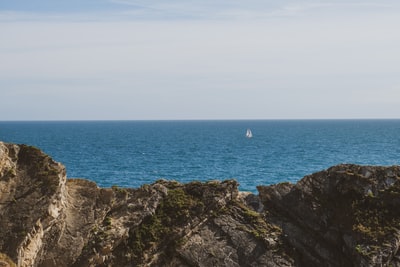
166,120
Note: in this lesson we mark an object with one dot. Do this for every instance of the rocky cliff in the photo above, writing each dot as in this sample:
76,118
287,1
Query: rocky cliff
347,215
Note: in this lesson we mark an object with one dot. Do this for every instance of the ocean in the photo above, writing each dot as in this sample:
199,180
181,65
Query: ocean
132,153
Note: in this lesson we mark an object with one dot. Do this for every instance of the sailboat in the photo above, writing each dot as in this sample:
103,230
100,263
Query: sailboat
249,134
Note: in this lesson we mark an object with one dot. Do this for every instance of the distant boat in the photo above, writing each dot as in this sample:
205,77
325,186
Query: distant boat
249,134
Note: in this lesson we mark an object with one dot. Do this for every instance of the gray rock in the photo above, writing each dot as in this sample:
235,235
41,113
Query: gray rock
346,215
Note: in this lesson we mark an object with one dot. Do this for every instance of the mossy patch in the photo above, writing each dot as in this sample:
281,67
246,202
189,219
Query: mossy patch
376,219
255,223
160,229
120,191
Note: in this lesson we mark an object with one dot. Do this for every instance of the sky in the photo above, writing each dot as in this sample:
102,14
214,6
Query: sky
182,60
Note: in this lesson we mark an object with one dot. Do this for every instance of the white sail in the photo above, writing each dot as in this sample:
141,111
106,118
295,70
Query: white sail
249,134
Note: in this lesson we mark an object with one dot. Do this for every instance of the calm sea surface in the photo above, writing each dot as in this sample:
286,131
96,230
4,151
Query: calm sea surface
131,153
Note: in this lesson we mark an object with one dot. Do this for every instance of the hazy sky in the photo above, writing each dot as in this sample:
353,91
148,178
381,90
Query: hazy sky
220,59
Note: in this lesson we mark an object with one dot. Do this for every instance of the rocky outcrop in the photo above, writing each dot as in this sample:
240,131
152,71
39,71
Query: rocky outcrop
32,198
47,220
345,216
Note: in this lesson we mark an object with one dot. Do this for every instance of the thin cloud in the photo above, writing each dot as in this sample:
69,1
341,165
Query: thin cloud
20,16
132,10
165,59
244,10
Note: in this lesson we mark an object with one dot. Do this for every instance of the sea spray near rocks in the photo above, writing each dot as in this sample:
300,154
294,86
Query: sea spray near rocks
346,215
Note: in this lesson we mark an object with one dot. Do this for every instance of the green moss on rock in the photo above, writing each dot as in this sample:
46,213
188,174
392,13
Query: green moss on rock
159,229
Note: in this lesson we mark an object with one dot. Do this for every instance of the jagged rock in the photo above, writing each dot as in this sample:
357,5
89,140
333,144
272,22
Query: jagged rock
47,220
32,189
345,216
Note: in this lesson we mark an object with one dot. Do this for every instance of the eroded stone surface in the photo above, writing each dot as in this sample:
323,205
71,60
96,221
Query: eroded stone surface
345,216
47,220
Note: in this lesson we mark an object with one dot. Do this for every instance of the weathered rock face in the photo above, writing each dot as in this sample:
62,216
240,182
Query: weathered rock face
31,201
345,216
47,220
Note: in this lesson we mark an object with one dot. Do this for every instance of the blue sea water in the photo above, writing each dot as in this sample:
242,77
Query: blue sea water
132,153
